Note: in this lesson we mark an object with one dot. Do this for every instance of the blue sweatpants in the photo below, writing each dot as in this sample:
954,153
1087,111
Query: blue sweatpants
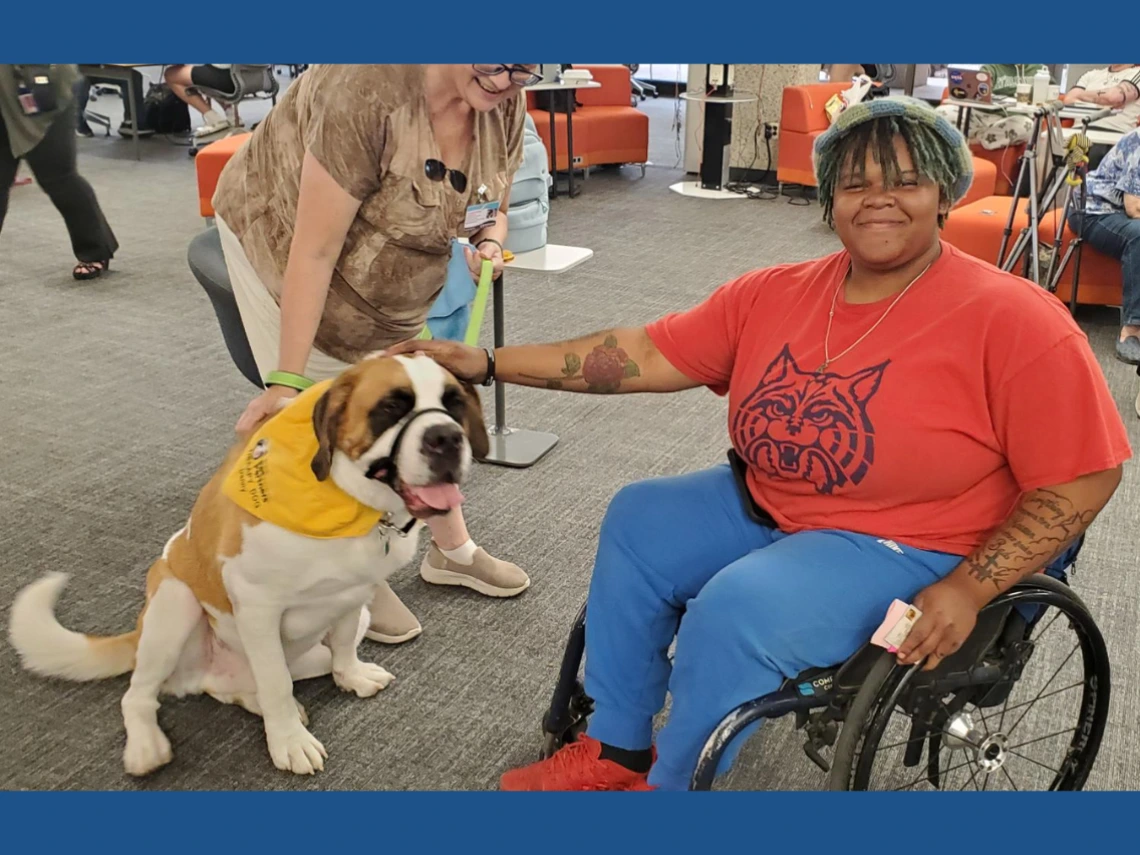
748,606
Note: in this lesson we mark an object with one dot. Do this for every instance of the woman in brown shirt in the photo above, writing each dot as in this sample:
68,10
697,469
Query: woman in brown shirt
337,221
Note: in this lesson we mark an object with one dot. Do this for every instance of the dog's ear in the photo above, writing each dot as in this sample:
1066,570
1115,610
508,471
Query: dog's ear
326,425
473,423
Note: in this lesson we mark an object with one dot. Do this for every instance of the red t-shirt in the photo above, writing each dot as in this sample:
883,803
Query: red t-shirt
976,388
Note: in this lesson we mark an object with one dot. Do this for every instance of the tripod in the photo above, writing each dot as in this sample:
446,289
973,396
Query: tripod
1068,171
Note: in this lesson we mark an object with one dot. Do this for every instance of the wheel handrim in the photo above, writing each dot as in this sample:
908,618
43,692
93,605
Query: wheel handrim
986,748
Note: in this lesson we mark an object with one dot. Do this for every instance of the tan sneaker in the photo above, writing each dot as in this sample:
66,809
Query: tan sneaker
392,621
491,577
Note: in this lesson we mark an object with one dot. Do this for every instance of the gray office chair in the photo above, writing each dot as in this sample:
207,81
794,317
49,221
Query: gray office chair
208,265
640,87
251,83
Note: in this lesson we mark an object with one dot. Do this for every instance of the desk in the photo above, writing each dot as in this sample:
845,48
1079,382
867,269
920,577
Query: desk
123,71
713,148
1108,138
569,87
551,258
965,107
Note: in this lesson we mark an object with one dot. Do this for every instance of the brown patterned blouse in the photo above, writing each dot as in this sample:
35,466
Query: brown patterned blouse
368,126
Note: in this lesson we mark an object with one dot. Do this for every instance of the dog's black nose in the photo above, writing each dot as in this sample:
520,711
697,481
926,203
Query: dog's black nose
443,440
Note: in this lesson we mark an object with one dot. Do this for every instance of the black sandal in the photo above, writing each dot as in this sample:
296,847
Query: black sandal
90,269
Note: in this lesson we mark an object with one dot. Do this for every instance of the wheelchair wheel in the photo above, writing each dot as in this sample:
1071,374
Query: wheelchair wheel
1027,712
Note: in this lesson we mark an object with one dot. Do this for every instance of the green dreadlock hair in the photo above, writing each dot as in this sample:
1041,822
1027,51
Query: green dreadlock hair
936,147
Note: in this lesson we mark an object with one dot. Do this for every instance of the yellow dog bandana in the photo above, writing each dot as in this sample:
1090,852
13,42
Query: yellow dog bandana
274,481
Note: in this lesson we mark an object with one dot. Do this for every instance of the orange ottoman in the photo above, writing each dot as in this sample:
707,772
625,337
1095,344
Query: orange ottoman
1102,278
210,162
1007,161
984,184
977,229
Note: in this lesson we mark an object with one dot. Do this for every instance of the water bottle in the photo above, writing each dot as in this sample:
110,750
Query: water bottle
1041,86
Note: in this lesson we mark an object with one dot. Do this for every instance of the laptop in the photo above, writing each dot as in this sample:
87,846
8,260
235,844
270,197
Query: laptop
968,84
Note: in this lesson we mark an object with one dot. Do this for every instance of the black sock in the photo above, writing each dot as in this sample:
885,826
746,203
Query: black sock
636,761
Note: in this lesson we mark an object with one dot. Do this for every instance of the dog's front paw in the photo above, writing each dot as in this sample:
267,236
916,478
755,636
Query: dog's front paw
364,678
147,749
294,749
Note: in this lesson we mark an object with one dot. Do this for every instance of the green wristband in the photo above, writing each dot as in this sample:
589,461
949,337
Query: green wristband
288,379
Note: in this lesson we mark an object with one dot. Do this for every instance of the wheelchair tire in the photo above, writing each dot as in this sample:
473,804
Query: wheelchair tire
874,704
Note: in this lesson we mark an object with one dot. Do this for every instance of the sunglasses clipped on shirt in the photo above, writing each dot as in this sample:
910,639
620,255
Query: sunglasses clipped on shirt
437,170
520,74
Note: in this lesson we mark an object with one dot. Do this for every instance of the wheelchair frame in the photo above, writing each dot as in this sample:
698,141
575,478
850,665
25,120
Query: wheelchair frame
870,684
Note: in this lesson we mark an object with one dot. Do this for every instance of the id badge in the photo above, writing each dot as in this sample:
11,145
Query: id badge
27,101
481,216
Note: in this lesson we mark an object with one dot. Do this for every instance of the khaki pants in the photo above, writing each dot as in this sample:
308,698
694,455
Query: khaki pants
992,130
261,316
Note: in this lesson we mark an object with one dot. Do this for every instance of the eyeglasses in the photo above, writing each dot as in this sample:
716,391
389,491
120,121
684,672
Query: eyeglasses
437,170
520,74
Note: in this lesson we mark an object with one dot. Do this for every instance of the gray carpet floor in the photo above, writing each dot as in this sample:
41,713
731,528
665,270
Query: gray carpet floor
120,400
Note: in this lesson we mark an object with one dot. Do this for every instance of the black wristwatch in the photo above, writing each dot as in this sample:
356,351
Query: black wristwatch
489,380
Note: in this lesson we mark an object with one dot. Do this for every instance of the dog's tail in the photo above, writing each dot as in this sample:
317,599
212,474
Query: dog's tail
46,647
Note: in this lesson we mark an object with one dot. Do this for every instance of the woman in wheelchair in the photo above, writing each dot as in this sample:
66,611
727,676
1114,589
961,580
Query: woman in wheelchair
917,424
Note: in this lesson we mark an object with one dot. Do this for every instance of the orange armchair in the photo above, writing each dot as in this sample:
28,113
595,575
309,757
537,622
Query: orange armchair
209,163
607,130
802,119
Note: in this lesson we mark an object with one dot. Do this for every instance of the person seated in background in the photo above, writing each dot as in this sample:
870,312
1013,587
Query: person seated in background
837,73
1110,222
182,80
83,96
994,129
888,402
1115,86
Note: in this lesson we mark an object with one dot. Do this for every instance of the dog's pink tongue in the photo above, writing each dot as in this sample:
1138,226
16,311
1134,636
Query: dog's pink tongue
442,497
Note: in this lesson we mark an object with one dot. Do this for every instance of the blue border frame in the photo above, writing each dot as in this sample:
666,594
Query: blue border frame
668,30
582,824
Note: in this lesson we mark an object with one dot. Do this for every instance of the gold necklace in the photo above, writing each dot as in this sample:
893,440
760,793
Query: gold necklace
827,358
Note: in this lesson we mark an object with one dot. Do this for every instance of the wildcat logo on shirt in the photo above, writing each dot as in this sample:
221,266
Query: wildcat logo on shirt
799,425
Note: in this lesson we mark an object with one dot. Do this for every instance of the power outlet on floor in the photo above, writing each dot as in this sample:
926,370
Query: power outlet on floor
771,130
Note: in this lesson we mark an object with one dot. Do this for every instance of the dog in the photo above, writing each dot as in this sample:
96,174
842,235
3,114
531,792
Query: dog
270,579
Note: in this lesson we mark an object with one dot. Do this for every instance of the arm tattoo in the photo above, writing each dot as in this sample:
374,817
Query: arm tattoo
601,371
1041,528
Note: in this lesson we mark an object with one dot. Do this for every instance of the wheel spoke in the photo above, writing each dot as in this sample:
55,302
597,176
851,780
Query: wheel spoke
923,776
1041,698
900,744
1046,629
1008,778
1035,762
1041,738
1076,647
1005,706
973,779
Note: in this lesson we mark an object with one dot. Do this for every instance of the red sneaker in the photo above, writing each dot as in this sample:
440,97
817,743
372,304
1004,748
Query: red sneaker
577,766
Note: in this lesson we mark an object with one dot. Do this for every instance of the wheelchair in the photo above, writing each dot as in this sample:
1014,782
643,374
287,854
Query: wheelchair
963,725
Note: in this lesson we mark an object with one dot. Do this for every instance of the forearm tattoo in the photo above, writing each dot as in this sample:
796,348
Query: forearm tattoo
1039,530
601,371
